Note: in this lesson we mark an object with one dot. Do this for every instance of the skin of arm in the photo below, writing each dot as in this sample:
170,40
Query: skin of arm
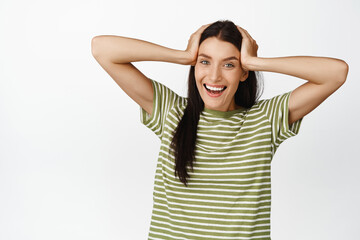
111,48
115,55
324,75
318,70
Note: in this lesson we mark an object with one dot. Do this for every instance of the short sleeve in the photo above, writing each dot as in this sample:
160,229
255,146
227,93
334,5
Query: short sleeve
277,111
163,100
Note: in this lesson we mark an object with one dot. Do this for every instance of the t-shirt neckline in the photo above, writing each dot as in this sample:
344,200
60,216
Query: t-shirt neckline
223,114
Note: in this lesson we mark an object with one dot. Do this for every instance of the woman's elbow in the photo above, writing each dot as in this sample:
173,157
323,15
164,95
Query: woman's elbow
94,45
342,72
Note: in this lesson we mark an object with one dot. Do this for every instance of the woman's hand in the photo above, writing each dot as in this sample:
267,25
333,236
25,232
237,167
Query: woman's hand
191,51
248,49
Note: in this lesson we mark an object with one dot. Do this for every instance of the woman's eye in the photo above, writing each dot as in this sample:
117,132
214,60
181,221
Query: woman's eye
231,65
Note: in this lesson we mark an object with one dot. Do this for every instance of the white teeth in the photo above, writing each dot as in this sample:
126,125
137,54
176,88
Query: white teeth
214,88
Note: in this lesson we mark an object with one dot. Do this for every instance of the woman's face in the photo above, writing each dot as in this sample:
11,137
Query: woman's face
218,65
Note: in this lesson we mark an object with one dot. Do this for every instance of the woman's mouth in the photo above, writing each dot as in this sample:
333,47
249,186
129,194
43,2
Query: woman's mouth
214,92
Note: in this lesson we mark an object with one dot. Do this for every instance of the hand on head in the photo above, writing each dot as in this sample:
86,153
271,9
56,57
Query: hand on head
248,48
193,45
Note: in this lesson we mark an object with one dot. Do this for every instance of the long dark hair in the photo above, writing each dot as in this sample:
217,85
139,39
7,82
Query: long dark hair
246,95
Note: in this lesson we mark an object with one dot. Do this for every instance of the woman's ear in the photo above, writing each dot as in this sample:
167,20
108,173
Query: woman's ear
244,76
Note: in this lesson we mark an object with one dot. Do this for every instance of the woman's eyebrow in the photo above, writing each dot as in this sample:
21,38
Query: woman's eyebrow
225,59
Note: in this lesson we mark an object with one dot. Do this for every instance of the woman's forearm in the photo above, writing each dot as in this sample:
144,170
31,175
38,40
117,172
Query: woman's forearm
120,49
318,70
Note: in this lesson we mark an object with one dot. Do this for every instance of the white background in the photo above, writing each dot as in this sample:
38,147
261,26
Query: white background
75,161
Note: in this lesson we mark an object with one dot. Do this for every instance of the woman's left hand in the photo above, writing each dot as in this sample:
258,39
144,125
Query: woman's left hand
248,49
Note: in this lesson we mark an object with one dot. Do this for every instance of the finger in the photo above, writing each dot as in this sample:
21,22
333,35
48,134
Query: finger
244,32
251,39
203,27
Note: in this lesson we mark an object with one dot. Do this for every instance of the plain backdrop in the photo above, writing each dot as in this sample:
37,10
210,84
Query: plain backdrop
75,161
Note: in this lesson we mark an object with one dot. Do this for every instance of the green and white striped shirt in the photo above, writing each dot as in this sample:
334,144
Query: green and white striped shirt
229,193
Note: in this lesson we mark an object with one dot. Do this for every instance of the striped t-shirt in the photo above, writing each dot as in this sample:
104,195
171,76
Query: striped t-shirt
229,192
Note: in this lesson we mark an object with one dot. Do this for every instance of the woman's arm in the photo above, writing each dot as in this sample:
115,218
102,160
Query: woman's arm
325,75
318,70
115,54
118,49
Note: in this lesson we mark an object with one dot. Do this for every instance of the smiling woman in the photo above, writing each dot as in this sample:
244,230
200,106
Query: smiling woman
219,67
213,177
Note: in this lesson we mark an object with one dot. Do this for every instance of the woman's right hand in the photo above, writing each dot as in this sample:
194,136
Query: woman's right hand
193,46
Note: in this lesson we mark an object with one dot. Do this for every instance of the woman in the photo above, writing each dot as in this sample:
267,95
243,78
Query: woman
213,174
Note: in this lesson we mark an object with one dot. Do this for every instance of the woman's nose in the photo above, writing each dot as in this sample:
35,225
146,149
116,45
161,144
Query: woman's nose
215,73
